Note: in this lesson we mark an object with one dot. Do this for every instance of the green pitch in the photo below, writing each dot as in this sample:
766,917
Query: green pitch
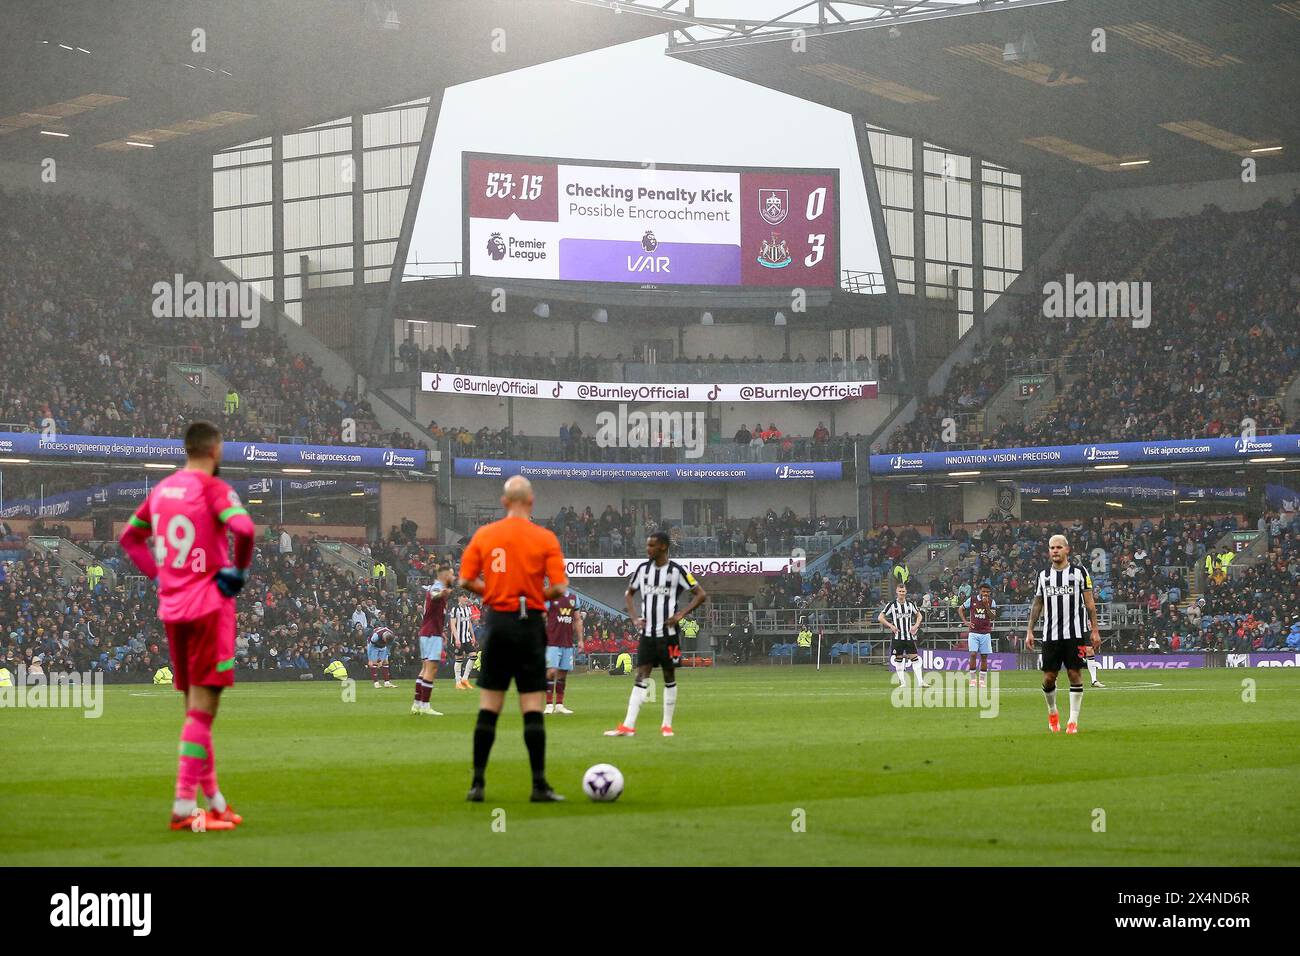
1184,770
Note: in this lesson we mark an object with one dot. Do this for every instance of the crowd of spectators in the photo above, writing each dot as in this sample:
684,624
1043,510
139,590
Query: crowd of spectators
614,533
299,612
1223,341
1255,608
762,443
85,347
462,360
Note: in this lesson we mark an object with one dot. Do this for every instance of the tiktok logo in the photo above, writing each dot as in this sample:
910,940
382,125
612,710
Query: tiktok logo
714,392
555,392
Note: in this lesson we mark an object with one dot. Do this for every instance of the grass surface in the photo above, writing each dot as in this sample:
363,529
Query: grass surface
1186,772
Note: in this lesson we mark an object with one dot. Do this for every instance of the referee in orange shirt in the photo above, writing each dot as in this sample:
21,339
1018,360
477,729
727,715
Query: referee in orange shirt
505,563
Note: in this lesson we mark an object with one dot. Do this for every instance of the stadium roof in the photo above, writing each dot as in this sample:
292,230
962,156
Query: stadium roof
106,73
1184,90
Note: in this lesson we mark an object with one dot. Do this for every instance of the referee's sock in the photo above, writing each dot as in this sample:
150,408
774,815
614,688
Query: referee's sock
485,734
1076,702
1050,694
634,703
535,741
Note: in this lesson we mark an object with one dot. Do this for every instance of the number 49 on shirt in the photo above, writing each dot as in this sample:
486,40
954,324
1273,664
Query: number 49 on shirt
180,535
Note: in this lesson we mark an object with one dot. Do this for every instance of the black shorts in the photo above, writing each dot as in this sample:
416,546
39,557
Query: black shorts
1062,655
514,648
659,651
901,648
462,651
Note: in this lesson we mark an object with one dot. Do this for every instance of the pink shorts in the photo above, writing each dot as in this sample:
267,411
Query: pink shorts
203,650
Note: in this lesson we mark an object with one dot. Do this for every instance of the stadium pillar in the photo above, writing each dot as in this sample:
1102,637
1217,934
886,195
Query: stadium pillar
384,323
977,241
277,230
901,338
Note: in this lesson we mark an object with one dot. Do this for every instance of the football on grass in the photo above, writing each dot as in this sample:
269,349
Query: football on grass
602,782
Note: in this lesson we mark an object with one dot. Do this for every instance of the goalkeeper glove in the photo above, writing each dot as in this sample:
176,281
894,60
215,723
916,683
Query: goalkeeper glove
230,581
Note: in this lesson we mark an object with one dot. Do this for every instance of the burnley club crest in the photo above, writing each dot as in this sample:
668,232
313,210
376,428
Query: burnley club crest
774,205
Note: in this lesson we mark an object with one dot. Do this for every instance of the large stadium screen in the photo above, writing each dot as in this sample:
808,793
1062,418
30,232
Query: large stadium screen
530,217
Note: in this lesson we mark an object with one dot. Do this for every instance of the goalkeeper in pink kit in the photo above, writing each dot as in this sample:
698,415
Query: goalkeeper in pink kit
188,514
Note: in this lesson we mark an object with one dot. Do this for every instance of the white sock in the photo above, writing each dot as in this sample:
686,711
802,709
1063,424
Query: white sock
217,801
634,704
455,667
1092,668
916,669
670,703
183,808
900,668
1051,700
1076,702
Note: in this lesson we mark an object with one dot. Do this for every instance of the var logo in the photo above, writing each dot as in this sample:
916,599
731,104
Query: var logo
648,264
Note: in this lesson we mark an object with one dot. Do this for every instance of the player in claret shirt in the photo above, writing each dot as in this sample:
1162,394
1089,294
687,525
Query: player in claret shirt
431,628
979,624
377,651
188,514
563,625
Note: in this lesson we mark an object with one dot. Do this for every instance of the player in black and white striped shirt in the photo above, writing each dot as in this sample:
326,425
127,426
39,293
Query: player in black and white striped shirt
1063,598
463,644
903,618
660,583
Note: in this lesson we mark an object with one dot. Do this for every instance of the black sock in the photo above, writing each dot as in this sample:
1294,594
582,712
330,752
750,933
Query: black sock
485,733
535,741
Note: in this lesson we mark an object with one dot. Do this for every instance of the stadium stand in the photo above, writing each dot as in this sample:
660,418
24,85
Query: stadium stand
80,272
1226,293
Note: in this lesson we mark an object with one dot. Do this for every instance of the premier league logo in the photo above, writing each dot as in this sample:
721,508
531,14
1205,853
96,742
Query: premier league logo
774,205
496,247
648,242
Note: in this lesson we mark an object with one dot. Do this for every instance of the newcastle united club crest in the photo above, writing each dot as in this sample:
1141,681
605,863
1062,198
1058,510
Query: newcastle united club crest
774,254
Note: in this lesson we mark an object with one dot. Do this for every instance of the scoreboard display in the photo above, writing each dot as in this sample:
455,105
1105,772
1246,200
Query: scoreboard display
650,225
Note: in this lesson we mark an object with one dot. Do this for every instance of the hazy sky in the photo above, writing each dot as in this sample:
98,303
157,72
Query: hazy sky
633,103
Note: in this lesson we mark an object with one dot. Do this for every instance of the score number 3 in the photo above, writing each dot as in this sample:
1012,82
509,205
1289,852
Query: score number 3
817,240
